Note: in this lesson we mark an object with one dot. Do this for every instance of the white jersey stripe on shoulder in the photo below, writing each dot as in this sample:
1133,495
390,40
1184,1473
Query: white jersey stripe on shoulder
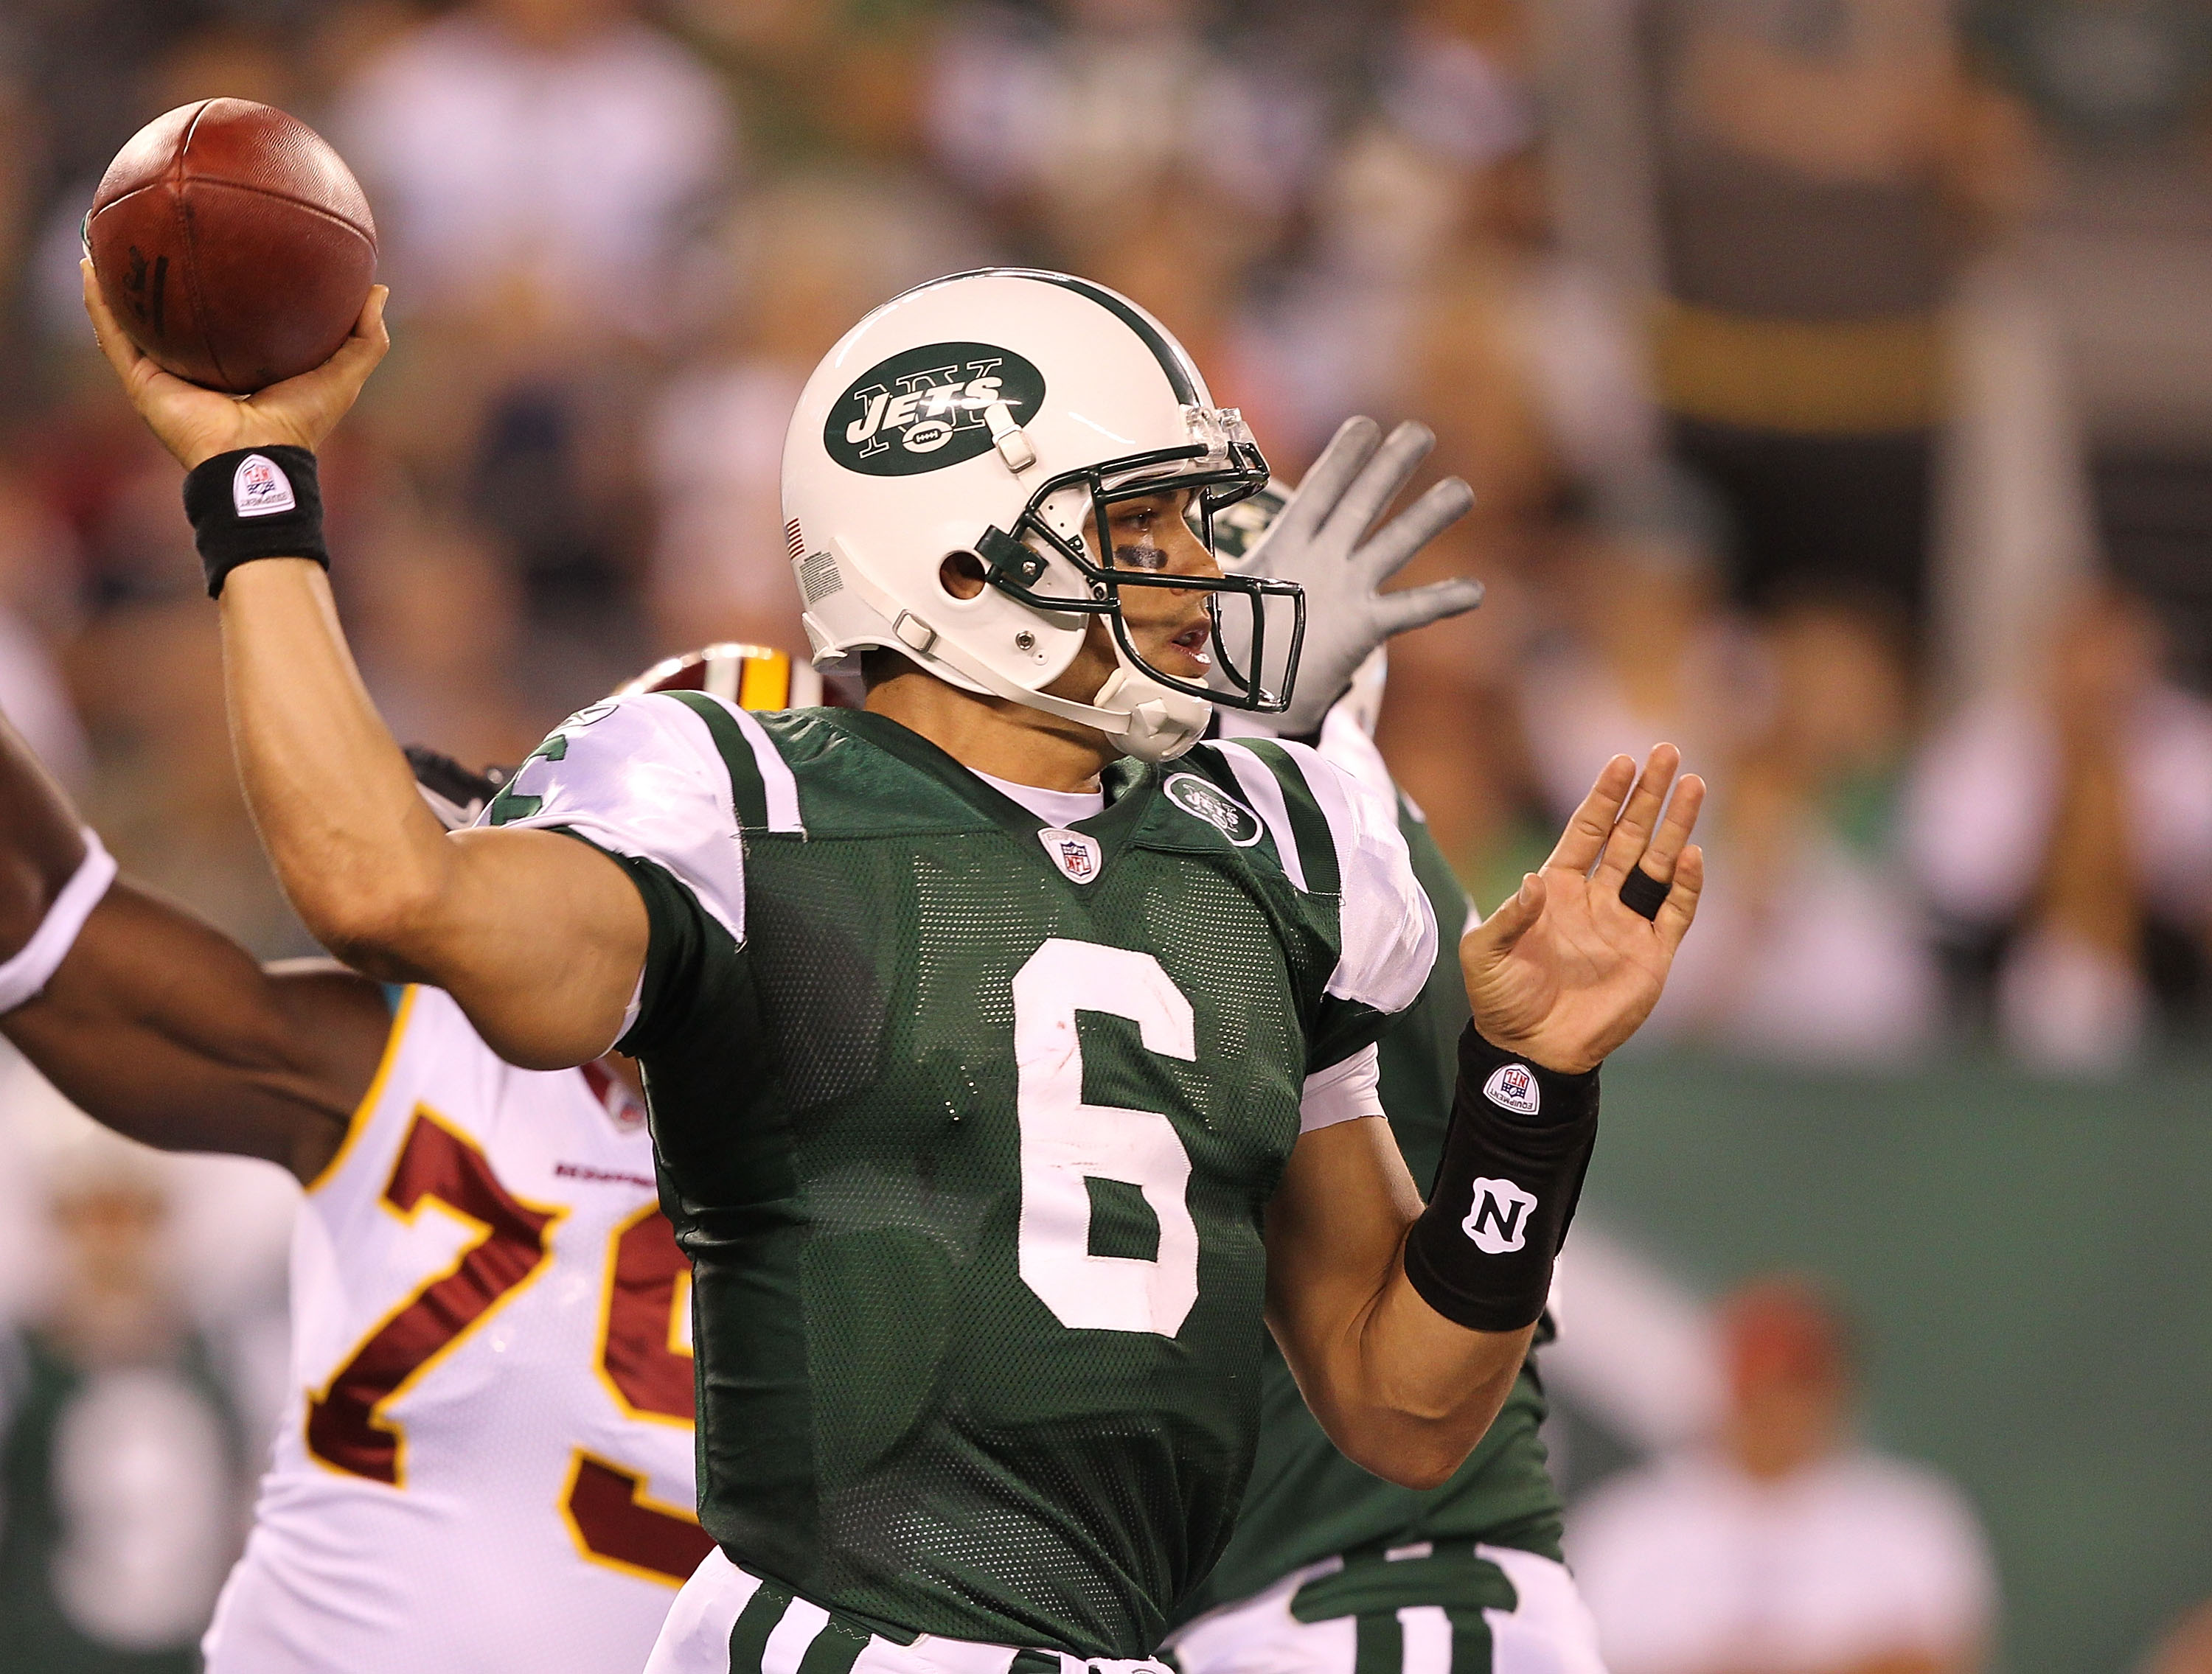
642,775
1327,785
776,779
1265,793
1387,929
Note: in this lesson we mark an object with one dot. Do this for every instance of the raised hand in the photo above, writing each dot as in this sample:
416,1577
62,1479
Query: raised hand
197,424
1564,972
1321,540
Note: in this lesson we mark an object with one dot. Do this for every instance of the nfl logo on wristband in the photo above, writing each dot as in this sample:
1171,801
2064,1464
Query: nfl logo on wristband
1513,1087
259,489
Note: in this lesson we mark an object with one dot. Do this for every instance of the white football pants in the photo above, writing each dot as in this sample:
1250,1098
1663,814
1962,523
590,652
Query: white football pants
727,1622
1529,1620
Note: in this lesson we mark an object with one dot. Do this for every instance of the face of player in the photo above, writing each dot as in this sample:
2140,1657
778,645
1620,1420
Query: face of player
1170,626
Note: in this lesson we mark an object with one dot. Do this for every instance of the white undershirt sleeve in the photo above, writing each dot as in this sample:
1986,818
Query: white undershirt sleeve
25,976
1346,1089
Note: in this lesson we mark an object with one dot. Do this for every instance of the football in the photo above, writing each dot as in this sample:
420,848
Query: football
233,243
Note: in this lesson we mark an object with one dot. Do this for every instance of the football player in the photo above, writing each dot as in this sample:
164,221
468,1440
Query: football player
1331,1569
485,1462
1010,1051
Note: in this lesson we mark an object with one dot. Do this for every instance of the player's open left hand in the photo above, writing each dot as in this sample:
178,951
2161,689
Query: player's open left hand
195,424
1565,970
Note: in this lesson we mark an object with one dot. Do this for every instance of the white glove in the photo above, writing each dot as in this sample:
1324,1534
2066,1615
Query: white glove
1319,540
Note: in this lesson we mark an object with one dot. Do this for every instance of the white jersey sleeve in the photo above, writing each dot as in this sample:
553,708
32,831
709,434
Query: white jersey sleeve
650,776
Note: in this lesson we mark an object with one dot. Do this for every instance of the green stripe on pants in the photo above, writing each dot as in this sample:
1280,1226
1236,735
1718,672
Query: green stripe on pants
836,1648
1378,1645
1471,1647
756,1621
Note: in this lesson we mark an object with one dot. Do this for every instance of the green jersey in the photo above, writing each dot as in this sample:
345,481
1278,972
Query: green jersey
967,1122
1306,1502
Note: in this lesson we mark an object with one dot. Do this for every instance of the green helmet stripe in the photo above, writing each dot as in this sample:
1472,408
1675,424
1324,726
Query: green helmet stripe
1179,372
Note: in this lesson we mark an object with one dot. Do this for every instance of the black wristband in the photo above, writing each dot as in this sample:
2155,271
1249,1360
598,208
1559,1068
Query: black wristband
255,502
1506,1191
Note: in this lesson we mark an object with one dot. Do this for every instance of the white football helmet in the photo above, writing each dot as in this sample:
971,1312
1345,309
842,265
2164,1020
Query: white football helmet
994,413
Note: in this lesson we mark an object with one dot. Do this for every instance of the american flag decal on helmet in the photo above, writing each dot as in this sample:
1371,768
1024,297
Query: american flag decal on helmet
795,540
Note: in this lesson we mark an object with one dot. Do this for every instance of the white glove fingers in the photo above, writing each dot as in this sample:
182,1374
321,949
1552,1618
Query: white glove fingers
1395,543
1338,466
1417,607
1393,465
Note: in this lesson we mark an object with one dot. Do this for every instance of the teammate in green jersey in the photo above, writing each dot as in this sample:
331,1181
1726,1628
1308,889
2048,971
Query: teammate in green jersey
1333,1570
1011,1052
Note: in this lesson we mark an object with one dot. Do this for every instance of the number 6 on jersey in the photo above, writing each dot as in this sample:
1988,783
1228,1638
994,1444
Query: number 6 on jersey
1068,1147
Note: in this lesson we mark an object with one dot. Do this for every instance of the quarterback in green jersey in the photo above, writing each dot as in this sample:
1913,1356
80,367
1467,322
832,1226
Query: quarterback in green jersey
1333,1570
1010,1051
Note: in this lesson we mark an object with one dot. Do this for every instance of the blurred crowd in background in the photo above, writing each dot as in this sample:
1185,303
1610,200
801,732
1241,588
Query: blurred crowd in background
1835,376
1806,356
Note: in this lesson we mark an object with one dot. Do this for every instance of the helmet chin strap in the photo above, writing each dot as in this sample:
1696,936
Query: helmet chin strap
1139,716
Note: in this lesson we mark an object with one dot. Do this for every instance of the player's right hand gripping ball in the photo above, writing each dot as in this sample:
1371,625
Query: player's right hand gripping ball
233,243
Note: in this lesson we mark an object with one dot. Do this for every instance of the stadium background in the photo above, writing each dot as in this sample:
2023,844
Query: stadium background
1836,378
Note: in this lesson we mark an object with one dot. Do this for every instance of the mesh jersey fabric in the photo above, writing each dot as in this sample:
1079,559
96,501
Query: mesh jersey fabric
1305,1501
970,1152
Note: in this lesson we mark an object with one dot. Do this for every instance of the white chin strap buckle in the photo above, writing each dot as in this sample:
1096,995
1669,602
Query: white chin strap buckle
1008,437
1158,724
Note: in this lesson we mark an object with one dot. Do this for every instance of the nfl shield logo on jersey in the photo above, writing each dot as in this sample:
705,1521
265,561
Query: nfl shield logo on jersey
1075,854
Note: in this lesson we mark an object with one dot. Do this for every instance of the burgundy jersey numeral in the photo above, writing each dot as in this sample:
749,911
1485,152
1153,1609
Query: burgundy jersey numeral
642,1356
617,1522
643,1353
347,1425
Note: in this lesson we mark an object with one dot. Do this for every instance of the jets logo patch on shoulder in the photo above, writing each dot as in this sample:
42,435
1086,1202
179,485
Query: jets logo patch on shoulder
1209,802
259,488
928,408
1077,856
1510,1087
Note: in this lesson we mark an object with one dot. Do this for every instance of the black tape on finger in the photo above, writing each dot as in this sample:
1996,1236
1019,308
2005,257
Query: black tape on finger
1643,893
255,502
1505,1194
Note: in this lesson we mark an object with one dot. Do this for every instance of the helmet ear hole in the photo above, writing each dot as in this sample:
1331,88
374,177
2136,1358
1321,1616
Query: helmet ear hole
961,574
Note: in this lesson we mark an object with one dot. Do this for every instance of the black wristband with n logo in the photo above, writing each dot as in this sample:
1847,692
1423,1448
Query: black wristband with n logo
1506,1191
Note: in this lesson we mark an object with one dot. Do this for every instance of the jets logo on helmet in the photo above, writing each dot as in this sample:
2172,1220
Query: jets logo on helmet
928,408
1000,416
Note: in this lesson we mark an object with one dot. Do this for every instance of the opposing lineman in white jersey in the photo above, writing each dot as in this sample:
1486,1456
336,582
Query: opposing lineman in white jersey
485,1461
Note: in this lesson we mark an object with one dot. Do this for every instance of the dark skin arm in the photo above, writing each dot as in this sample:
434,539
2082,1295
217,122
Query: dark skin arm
161,1027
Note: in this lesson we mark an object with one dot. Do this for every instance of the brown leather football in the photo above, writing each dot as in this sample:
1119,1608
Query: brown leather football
233,243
